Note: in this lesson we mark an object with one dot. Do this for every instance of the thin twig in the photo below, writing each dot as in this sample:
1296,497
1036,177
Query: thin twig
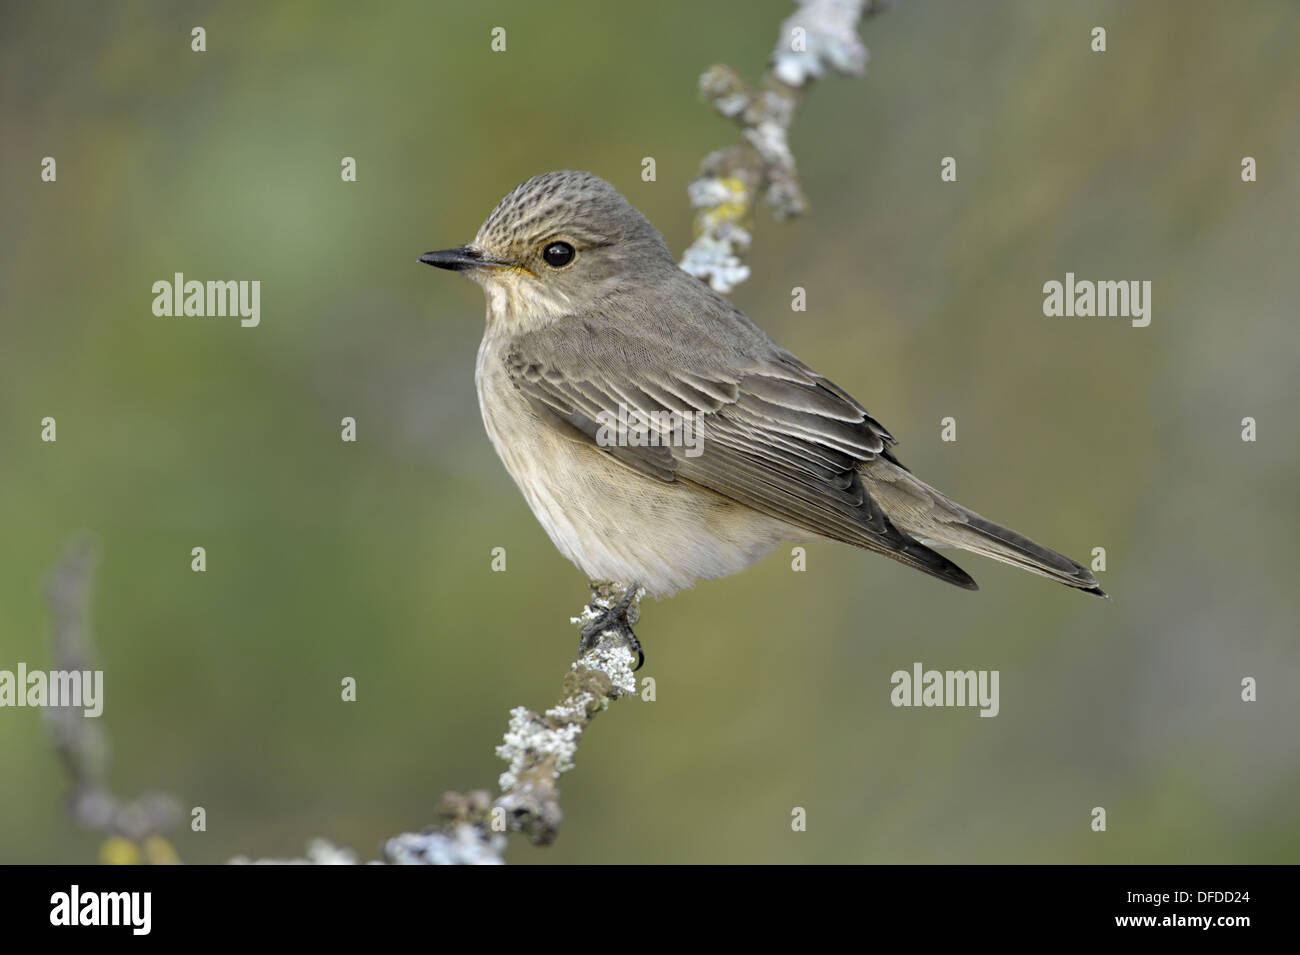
134,827
820,36
539,748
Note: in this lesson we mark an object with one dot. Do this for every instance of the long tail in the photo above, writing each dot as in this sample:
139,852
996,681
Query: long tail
980,536
937,521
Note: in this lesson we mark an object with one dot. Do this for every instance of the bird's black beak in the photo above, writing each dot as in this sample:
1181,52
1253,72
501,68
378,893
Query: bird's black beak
458,259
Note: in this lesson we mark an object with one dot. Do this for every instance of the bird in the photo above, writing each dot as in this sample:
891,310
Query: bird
660,436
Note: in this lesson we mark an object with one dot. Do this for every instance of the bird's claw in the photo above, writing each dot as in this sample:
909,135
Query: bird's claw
612,619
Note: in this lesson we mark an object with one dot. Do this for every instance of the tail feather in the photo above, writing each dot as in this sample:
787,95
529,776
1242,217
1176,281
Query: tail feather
936,521
981,536
916,555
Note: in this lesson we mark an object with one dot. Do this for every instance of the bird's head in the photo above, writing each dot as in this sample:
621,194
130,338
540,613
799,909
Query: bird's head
556,245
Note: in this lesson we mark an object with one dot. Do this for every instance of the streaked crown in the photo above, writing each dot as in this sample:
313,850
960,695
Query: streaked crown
578,206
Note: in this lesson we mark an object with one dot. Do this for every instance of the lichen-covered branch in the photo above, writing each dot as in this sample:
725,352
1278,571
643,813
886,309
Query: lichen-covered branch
821,36
133,827
539,748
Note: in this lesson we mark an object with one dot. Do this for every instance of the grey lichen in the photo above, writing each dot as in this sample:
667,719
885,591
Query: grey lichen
829,39
615,662
460,844
319,852
529,739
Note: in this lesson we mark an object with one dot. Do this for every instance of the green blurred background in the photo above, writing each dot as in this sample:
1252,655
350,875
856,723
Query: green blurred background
372,559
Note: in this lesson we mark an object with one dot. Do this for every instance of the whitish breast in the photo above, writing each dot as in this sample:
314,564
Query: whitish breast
612,522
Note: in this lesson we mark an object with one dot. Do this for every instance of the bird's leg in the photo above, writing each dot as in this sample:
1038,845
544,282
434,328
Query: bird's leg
608,615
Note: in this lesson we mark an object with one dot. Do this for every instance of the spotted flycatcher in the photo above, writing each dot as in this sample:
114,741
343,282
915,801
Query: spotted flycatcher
658,434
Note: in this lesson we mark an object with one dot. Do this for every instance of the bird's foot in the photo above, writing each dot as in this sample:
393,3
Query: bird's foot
608,616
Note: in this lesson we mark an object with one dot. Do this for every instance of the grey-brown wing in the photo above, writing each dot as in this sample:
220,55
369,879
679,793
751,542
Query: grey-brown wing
770,433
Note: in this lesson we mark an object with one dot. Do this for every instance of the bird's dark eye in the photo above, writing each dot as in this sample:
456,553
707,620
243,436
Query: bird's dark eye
558,254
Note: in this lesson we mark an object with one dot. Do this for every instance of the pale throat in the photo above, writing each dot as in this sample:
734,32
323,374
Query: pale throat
519,302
